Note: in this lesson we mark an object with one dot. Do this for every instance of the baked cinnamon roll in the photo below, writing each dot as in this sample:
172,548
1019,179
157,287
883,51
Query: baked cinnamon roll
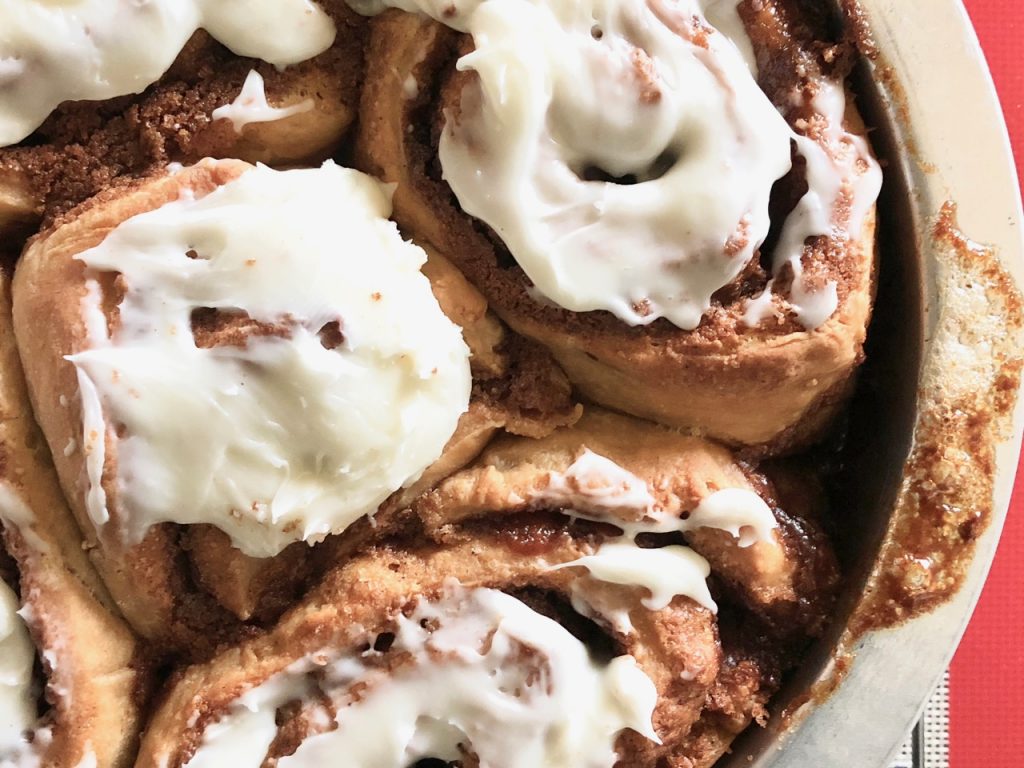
102,91
539,609
676,198
72,679
654,485
231,364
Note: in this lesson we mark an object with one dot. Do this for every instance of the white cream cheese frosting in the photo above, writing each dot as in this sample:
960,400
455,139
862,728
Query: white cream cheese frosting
484,673
251,106
665,572
283,437
599,482
843,181
18,712
625,154
76,50
595,488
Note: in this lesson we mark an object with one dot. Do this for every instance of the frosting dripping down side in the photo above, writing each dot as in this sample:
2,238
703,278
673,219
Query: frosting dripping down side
625,154
251,106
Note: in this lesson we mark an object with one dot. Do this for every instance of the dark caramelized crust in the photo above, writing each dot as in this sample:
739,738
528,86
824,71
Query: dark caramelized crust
775,387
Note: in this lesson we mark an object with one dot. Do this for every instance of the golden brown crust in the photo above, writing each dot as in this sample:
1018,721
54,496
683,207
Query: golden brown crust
96,674
775,387
517,388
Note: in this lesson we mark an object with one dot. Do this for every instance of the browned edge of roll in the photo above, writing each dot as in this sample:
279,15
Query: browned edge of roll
98,677
192,604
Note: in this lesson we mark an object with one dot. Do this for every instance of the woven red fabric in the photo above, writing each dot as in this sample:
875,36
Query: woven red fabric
987,677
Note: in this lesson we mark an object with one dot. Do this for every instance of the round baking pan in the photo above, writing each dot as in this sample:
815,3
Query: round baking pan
940,132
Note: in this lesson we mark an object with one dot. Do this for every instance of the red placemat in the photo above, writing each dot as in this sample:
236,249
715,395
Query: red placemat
987,676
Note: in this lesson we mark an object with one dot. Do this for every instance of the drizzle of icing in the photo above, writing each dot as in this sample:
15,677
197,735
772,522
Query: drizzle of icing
846,171
79,50
483,672
596,488
665,572
280,437
251,106
600,482
737,511
760,307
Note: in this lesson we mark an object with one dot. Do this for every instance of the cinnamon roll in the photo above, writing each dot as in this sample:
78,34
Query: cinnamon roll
537,610
72,679
676,198
231,364
102,91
